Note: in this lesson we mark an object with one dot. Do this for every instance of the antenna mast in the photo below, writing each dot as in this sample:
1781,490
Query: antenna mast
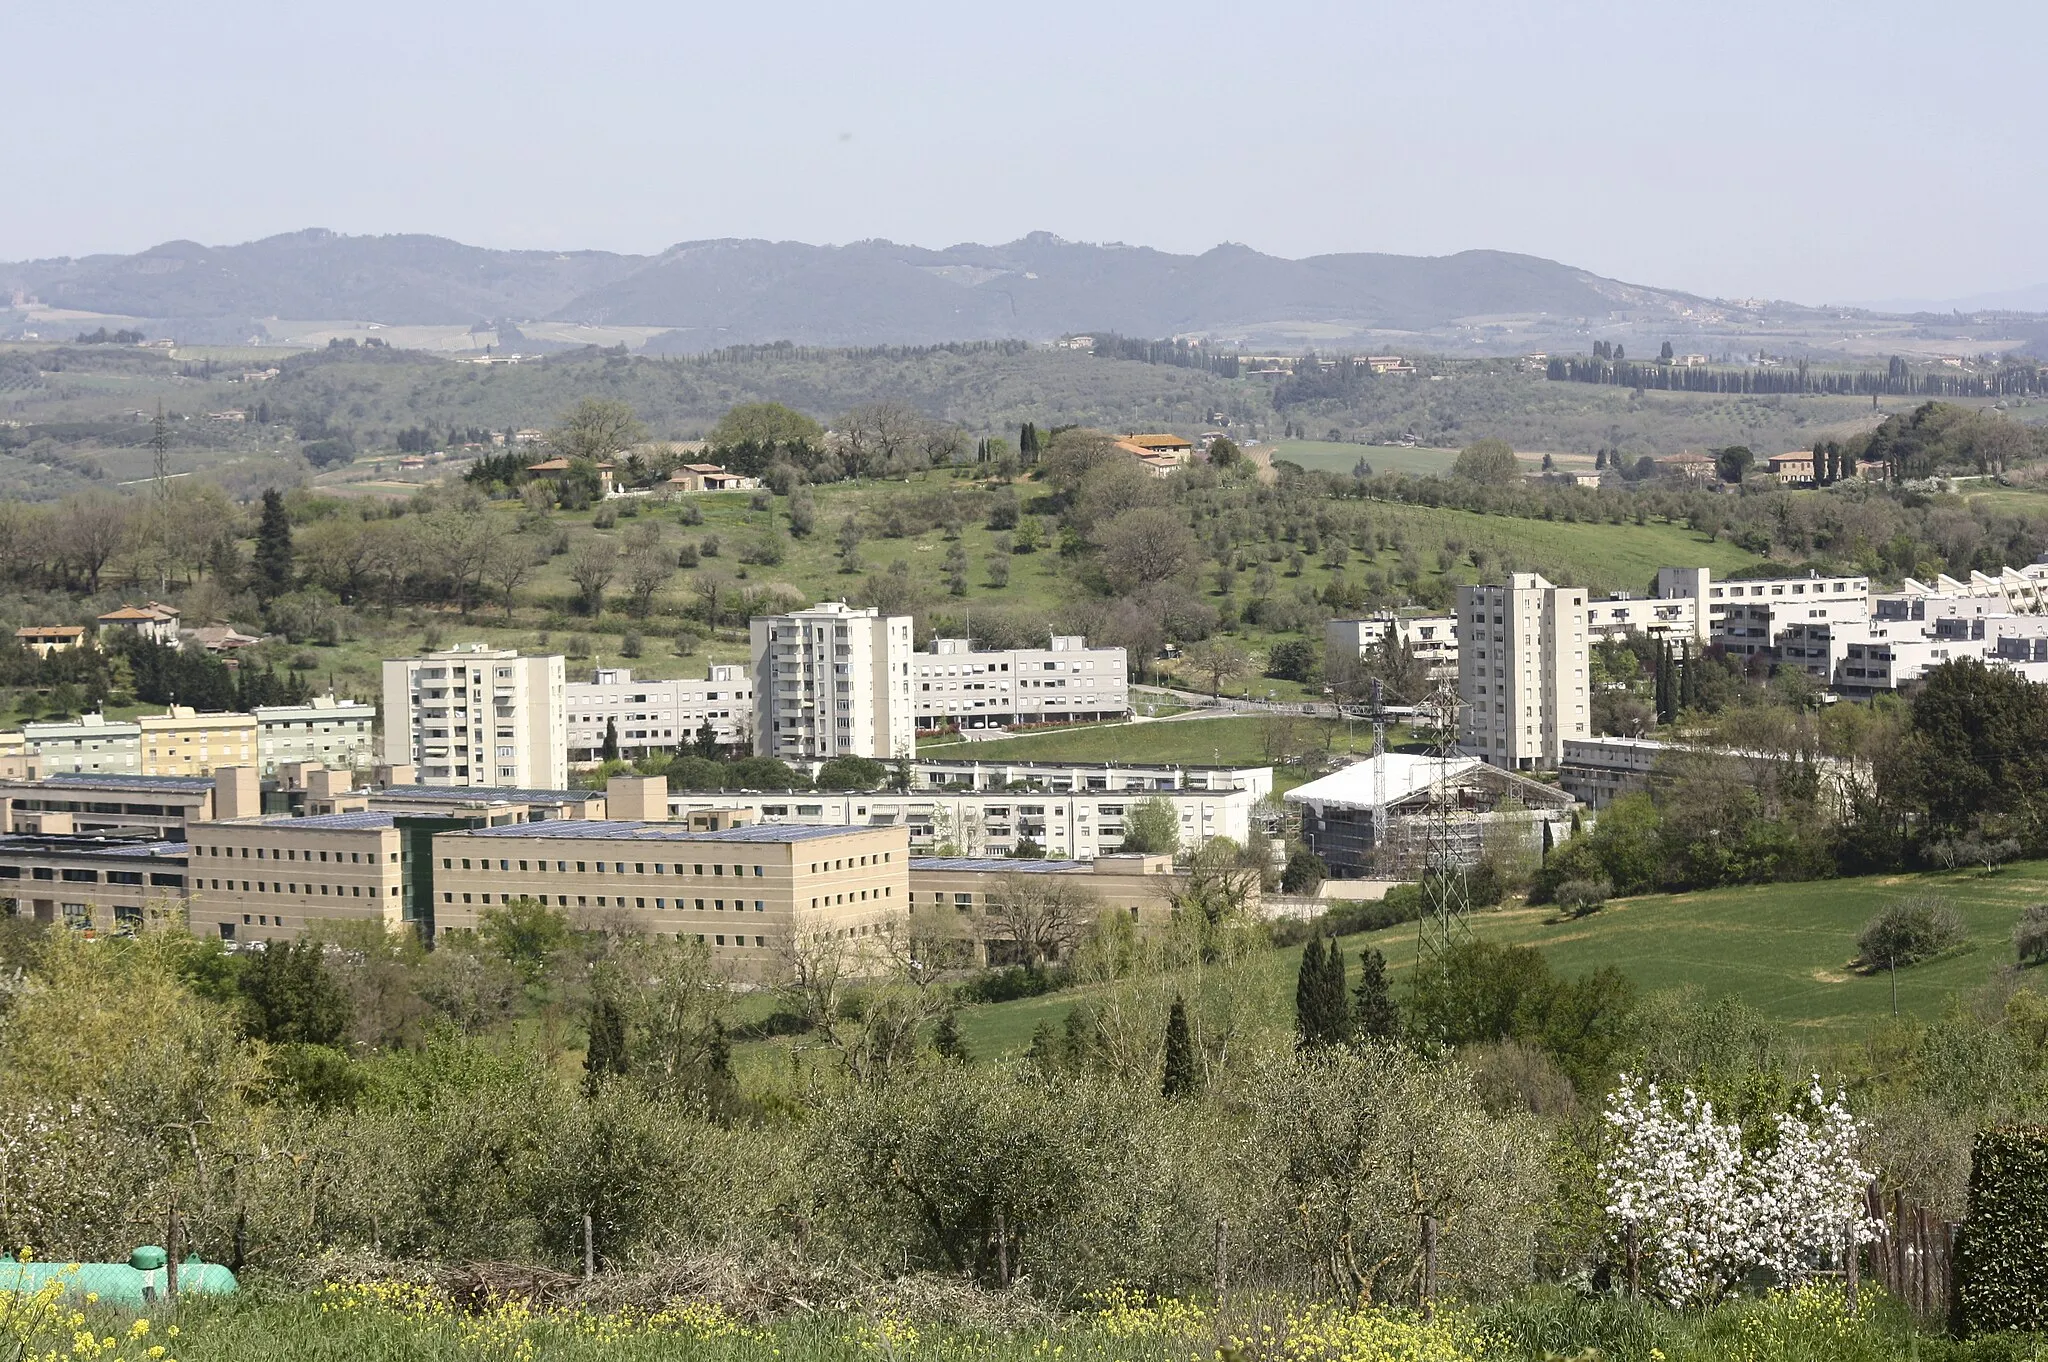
1448,831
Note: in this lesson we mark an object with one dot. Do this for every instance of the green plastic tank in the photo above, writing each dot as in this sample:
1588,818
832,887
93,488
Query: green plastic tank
140,1282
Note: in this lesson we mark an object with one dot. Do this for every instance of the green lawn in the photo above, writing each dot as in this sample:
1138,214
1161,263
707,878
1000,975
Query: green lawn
1241,740
1783,949
1341,457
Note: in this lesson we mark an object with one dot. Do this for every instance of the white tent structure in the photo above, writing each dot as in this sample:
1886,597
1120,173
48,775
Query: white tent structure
1476,802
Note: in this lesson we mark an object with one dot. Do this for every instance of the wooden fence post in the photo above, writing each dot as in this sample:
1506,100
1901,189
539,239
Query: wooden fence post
1429,1267
171,1255
1002,1251
589,1248
1635,1262
1222,1257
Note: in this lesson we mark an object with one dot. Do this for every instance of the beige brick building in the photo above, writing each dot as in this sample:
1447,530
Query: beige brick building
743,892
261,879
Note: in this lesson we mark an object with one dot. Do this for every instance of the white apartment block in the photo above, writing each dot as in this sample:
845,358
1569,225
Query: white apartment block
833,681
1072,826
1069,682
327,731
2014,591
1521,671
1432,638
477,716
1862,658
1746,618
1674,617
657,716
1064,777
90,743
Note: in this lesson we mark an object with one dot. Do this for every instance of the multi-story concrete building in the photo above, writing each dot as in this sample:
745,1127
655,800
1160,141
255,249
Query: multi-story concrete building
477,716
272,878
1746,617
91,742
334,733
1675,617
1432,638
91,884
1077,826
743,892
983,901
1521,671
1062,777
1069,682
651,716
833,681
163,808
186,742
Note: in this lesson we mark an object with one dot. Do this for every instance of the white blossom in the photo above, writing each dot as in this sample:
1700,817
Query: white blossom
1706,1212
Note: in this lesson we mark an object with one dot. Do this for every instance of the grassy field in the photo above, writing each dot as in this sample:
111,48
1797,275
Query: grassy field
1333,456
1784,949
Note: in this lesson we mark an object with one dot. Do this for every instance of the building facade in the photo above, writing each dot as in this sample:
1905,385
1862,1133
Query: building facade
833,681
187,742
265,879
652,716
101,885
1521,671
746,893
1433,639
1068,682
331,732
90,743
477,716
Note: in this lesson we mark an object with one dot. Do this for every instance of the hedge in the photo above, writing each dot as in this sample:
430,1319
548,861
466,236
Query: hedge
2002,1258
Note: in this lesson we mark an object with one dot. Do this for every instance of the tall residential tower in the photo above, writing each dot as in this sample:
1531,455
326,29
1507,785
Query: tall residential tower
1521,671
833,681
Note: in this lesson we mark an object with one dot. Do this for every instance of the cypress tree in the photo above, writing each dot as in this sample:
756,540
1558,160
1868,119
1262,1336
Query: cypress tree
1374,1013
1308,996
273,548
1335,1009
606,1055
1664,697
947,1040
1179,1078
610,750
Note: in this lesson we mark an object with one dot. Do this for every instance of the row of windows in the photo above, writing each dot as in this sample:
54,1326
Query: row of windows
291,854
617,901
355,891
853,896
596,867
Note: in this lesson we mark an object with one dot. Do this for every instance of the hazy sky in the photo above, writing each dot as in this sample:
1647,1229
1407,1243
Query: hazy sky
1822,152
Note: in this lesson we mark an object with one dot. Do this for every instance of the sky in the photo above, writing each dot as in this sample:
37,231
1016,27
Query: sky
1821,152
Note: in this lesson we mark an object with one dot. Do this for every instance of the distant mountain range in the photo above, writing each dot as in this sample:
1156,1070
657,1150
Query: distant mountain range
704,294
872,292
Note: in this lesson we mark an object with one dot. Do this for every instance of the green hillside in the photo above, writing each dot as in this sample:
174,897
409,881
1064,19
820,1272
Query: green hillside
1784,949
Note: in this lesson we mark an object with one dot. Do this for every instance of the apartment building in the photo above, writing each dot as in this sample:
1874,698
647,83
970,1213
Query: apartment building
1068,682
91,742
270,878
91,884
1521,671
187,742
1746,618
2014,591
651,716
1073,826
16,761
833,681
333,733
1063,777
743,892
1432,638
477,716
1675,618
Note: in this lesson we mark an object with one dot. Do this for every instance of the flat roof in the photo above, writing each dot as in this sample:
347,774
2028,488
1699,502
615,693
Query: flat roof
89,780
443,794
621,830
59,844
330,822
1020,864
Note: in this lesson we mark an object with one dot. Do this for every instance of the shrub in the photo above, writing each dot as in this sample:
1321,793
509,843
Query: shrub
1909,932
2030,935
2002,1258
1581,897
605,517
630,646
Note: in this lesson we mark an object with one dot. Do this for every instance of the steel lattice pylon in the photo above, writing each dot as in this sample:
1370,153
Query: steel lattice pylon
1446,829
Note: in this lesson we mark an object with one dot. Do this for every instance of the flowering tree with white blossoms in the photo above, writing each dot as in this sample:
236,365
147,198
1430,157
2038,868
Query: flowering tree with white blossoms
1705,1211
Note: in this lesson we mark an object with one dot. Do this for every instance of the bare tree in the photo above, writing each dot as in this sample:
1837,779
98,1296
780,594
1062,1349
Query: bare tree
1220,660
592,566
93,525
874,437
595,429
712,586
509,563
648,570
1043,914
940,443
